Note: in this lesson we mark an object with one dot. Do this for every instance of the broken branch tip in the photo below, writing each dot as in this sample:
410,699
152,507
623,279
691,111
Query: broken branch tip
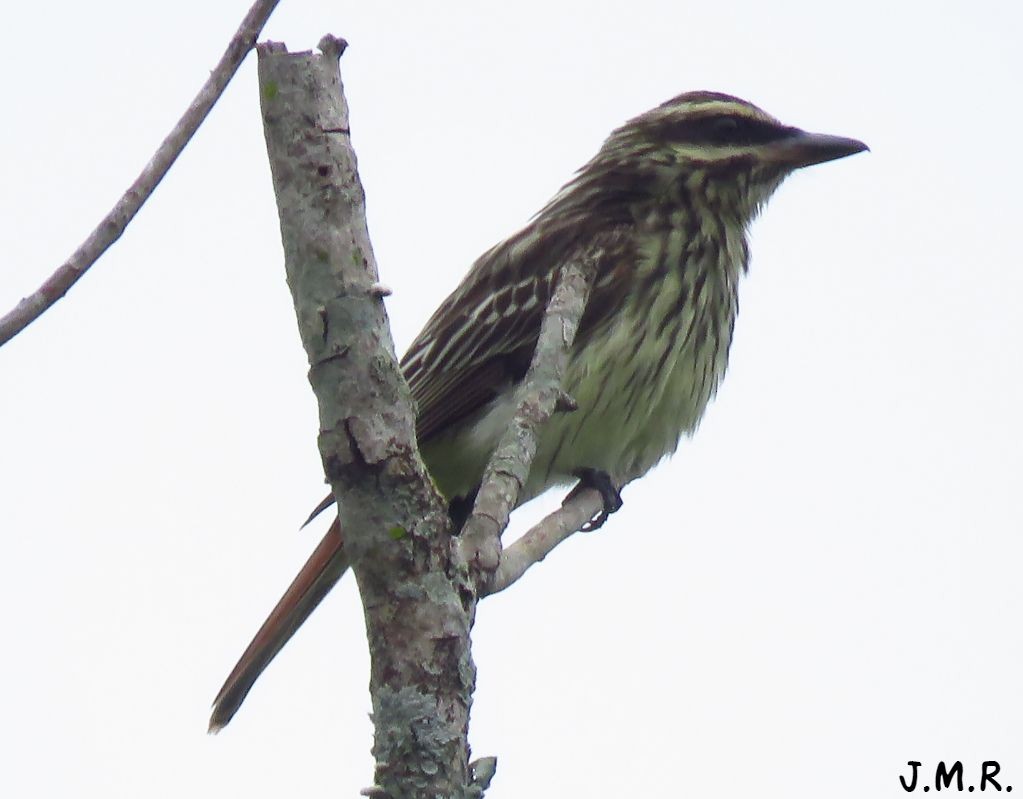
333,46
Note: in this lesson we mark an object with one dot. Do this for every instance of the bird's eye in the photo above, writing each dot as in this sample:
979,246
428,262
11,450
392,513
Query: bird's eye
724,130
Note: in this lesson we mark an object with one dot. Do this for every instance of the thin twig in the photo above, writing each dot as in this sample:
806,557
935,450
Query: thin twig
539,541
114,223
539,397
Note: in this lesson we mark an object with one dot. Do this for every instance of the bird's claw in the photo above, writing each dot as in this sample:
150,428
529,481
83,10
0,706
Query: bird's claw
601,482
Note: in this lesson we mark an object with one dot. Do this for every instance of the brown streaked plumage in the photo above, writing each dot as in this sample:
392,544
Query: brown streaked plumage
668,199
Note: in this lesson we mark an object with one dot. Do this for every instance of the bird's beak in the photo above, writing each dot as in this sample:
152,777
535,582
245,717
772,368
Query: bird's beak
805,149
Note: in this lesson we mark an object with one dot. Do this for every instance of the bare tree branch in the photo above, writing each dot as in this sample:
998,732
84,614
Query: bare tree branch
396,530
539,541
539,397
114,223
418,608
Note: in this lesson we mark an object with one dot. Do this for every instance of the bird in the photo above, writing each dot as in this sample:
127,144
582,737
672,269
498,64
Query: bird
667,202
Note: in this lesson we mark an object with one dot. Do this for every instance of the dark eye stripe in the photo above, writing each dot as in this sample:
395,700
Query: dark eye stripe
725,130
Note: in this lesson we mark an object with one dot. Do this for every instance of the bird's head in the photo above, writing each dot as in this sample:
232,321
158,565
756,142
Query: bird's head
714,147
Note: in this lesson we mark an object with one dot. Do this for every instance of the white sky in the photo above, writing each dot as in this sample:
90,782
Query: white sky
822,585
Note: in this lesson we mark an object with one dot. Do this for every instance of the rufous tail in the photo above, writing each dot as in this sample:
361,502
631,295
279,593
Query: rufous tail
320,573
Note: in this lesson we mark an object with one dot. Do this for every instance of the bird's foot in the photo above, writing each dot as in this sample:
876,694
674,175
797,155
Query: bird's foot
601,482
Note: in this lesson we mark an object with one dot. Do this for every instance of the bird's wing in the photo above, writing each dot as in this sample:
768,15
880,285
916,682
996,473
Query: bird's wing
481,339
